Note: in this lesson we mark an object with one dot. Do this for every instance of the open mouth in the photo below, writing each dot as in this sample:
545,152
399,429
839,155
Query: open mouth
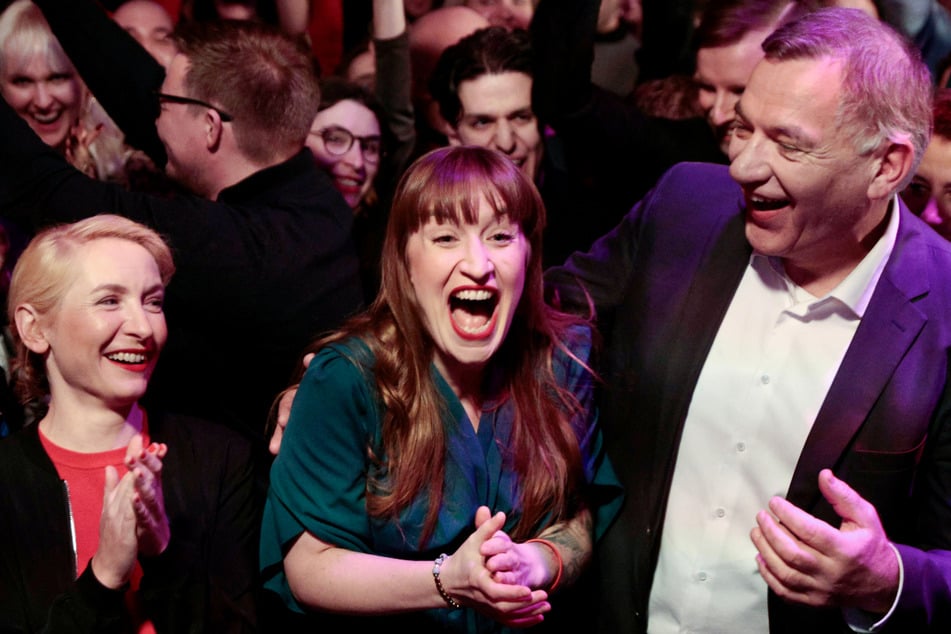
762,204
136,361
46,118
473,312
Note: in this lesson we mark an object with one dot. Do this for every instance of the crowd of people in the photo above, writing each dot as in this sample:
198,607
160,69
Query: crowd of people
620,316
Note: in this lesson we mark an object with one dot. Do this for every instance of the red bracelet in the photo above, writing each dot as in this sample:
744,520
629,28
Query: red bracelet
561,564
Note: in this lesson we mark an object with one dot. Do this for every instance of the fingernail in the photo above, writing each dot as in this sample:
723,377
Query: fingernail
153,448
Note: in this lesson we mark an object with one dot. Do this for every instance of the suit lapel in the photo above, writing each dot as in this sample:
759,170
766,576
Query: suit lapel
889,327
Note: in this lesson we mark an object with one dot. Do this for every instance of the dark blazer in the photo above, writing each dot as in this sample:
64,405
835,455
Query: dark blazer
662,281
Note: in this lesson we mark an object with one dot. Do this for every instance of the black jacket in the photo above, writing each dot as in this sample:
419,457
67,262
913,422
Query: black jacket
205,581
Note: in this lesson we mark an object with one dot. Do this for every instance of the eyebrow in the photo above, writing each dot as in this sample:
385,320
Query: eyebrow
794,133
119,288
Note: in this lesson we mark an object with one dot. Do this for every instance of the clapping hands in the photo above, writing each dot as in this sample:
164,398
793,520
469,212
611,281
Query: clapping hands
133,516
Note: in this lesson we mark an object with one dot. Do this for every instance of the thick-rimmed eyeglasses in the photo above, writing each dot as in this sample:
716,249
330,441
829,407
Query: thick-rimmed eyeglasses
338,142
188,101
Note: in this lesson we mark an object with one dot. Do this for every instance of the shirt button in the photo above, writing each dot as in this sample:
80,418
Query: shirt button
702,576
764,379
721,513
741,446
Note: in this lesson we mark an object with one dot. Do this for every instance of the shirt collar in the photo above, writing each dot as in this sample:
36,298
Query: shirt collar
855,291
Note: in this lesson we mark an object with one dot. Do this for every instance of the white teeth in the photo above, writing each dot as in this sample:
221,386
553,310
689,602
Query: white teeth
127,357
473,294
46,118
478,330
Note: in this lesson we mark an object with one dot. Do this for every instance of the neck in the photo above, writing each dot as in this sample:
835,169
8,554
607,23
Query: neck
90,430
238,168
820,274
466,383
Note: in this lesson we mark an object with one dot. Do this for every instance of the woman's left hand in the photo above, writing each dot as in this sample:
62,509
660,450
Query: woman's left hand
145,464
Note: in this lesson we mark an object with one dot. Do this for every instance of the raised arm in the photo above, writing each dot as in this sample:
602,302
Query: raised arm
393,82
118,70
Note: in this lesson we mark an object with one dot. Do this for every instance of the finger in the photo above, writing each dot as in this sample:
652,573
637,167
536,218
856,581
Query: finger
848,504
134,450
482,514
489,527
807,528
307,359
112,481
775,584
284,406
782,553
274,445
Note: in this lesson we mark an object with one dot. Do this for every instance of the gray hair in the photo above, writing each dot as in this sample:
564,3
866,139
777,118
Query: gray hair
886,88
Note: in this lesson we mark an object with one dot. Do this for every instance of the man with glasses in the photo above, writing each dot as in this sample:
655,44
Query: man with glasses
262,245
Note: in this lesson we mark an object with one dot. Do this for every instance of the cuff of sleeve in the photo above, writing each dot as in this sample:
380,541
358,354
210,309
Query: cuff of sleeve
866,622
98,595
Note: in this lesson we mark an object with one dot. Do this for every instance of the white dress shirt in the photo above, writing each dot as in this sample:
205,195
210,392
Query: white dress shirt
769,369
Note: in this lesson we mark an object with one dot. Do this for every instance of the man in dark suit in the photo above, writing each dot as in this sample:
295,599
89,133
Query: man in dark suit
767,330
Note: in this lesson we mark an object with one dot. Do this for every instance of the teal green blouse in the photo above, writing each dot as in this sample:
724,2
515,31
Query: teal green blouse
318,481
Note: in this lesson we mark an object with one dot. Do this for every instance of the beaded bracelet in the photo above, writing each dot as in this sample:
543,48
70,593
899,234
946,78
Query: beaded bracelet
561,564
453,604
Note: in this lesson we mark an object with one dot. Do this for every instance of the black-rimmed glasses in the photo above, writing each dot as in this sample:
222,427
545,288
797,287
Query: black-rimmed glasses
338,142
188,101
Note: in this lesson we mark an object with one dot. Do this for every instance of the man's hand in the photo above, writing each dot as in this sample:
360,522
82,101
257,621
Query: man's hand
805,560
284,412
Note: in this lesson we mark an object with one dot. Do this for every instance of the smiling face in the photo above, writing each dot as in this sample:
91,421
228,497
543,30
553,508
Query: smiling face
151,26
351,173
721,75
497,114
468,279
104,336
807,190
46,94
929,194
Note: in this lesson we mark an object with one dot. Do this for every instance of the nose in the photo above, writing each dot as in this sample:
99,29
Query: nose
354,156
476,263
42,97
723,108
505,138
137,322
931,214
748,163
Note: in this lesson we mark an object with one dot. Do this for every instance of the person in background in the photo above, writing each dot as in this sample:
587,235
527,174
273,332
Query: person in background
151,26
349,140
928,195
453,421
510,14
115,519
40,83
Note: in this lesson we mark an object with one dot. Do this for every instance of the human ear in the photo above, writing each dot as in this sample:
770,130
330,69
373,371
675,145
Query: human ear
214,129
30,330
892,168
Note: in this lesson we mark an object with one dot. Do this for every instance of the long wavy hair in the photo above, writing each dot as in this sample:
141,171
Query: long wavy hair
447,184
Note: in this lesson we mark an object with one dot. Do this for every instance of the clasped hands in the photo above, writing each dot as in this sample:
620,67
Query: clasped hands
805,560
495,575
133,516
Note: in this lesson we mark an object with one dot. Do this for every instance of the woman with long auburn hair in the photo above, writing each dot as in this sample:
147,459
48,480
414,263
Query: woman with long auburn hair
442,460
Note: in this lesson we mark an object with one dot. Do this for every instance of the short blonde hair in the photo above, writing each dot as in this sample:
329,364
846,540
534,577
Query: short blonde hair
24,33
44,271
